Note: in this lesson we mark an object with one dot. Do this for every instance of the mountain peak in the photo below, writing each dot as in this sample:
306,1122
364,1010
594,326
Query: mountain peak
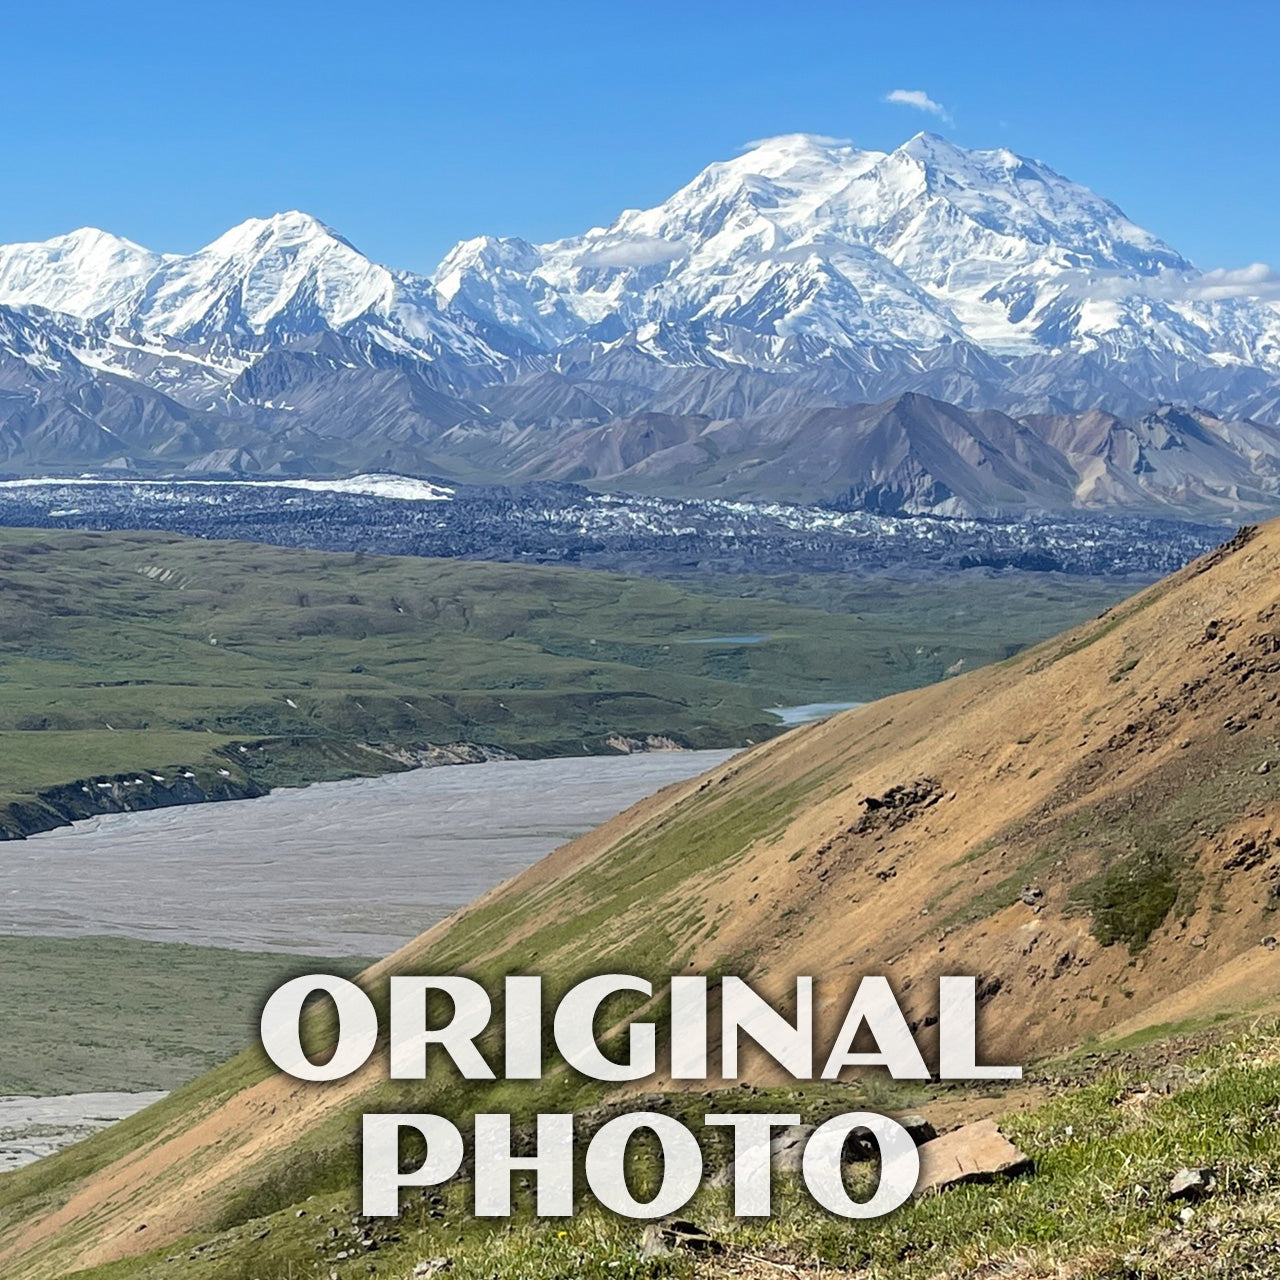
931,243
927,138
802,158
83,273
288,272
290,228
981,167
94,239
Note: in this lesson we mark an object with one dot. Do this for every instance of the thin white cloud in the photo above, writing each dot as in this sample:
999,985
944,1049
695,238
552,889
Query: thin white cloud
920,101
1255,283
639,251
817,139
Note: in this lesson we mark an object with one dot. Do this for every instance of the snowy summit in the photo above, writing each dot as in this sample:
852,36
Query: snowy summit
983,277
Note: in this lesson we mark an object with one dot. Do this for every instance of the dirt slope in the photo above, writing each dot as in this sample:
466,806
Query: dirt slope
1092,827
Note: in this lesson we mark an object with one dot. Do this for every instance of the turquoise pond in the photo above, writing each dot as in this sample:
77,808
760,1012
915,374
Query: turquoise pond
753,639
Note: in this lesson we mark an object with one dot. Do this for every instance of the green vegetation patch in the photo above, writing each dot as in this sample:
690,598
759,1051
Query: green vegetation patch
132,1016
1131,898
137,651
916,628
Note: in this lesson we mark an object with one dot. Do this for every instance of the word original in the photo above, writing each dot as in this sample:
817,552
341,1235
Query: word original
873,1010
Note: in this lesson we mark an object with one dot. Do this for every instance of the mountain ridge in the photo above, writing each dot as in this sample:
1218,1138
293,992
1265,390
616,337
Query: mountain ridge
804,274
910,455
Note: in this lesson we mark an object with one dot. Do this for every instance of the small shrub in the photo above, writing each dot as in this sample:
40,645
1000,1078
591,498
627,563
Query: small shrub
1132,897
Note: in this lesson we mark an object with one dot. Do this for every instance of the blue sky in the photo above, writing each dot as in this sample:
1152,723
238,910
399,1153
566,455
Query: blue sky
410,125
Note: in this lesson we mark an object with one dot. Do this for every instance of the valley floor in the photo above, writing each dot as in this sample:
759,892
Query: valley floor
144,670
353,868
205,924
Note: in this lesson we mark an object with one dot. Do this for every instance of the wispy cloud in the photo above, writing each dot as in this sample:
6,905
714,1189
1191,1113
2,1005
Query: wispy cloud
1256,283
638,251
782,139
920,101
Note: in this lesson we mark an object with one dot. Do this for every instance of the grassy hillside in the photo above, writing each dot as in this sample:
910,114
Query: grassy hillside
140,652
1105,1142
1089,826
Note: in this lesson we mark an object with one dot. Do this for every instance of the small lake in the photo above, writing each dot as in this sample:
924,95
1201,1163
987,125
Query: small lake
338,868
811,711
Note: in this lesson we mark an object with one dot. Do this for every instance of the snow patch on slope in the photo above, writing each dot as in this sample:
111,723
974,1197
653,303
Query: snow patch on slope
401,488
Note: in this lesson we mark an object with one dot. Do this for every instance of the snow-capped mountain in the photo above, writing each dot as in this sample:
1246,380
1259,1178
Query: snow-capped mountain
83,274
849,274
193,323
906,251
272,280
278,276
743,336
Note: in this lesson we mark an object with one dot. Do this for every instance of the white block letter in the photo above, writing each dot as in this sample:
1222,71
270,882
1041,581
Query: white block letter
688,1028
281,1030
575,1030
899,1165
752,1171
523,1032
789,1046
958,1034
410,1037
681,1165
382,1176
874,1002
553,1165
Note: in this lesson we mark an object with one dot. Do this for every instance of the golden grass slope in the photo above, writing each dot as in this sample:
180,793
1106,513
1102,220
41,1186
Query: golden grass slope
1092,827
